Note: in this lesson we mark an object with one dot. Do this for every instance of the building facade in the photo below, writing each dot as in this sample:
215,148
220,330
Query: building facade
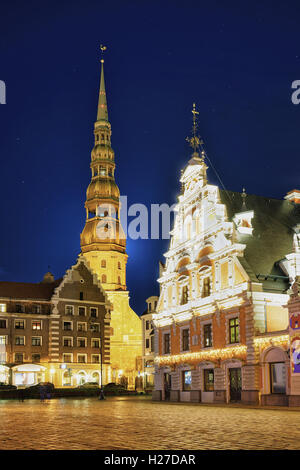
103,244
222,321
56,331
148,343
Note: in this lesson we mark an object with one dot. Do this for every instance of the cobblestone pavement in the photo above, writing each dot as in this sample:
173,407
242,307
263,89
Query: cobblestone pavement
138,423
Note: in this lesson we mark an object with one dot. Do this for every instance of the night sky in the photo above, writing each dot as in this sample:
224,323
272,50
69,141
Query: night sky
236,60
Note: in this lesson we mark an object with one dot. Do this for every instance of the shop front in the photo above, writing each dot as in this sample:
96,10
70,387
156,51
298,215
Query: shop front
25,375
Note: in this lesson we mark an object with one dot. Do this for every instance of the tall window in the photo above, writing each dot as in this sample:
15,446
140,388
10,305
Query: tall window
3,308
207,333
2,323
278,377
206,287
167,348
103,263
185,339
184,295
3,340
208,380
103,278
234,330
94,312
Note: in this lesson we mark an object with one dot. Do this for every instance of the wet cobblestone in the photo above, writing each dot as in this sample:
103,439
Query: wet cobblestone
138,423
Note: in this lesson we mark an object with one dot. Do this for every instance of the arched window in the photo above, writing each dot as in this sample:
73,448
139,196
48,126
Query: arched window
103,278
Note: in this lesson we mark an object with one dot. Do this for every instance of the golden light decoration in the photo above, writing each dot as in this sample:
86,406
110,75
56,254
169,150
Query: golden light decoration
263,343
214,355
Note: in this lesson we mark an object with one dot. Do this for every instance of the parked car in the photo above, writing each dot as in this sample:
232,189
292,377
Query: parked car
112,386
89,385
4,386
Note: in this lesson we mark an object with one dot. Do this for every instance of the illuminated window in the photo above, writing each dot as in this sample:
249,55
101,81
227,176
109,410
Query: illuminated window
3,340
207,333
3,308
185,336
102,171
234,330
36,341
186,380
36,325
208,380
103,278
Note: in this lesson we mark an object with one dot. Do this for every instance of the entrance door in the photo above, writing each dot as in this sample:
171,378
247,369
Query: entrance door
235,380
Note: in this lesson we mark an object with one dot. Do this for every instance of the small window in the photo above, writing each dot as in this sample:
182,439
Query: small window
81,326
147,324
187,380
36,325
19,357
81,358
3,308
147,343
81,311
207,333
94,312
167,343
36,358
80,295
19,324
103,278
119,280
208,380
69,310
185,339
19,340
20,308
96,327
67,325
36,308
103,263
119,265
67,357
95,343
2,323
68,342
95,358
3,340
234,330
36,341
81,342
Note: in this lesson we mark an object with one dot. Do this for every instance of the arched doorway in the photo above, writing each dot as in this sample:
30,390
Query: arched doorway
275,372
95,377
81,378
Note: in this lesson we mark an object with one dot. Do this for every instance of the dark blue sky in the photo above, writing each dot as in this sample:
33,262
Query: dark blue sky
235,59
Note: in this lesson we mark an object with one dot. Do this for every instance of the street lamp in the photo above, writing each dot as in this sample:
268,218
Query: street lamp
92,328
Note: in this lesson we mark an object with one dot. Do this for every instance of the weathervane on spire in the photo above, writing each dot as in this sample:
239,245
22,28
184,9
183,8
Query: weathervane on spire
102,49
195,141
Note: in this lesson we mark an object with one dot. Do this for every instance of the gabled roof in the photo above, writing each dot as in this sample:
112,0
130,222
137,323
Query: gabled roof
28,290
272,237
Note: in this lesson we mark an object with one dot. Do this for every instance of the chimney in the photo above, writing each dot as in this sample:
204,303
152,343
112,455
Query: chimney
293,196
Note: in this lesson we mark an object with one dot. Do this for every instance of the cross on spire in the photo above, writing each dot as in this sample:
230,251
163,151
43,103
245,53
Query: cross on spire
195,141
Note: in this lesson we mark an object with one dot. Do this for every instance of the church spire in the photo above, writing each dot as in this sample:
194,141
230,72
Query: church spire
102,114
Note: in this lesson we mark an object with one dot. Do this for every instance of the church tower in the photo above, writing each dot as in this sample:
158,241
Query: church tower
103,244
